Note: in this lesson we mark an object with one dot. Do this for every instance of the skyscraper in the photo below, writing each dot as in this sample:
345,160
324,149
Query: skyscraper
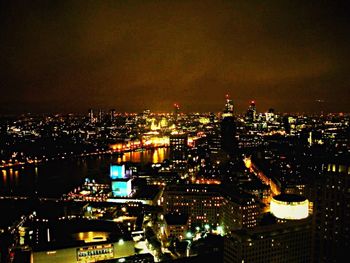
251,112
91,115
100,115
228,128
332,211
112,113
228,105
176,112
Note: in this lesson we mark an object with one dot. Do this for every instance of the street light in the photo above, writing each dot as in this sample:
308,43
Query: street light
220,230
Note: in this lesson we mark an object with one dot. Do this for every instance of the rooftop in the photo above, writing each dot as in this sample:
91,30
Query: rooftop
176,219
289,198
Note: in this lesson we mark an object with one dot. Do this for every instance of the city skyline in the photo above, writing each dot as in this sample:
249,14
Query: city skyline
129,56
260,187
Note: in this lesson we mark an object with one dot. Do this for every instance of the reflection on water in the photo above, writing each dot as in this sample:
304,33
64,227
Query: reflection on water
4,176
155,156
58,177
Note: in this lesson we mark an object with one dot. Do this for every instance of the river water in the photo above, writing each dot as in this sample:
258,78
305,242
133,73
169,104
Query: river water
57,177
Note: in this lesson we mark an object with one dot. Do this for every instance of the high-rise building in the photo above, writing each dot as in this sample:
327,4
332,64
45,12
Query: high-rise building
214,141
178,151
270,115
228,128
228,105
251,112
111,115
332,212
176,113
91,115
100,115
286,124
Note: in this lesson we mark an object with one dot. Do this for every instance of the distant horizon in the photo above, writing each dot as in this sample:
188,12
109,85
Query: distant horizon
106,111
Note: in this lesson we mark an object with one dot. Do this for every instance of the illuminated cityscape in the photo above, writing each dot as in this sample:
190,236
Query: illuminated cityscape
272,187
174,131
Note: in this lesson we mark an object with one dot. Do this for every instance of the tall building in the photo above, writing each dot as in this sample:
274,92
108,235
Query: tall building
251,112
286,124
100,115
176,112
91,115
332,212
178,151
228,128
214,141
111,115
228,105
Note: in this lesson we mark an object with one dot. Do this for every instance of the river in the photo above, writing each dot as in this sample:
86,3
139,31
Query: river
57,177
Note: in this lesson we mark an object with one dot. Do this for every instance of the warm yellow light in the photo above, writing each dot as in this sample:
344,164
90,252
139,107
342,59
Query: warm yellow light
289,210
247,162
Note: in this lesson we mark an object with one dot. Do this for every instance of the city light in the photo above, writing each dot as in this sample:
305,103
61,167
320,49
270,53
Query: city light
189,235
152,131
292,210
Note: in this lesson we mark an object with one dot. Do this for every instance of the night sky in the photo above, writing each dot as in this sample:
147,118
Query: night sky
68,56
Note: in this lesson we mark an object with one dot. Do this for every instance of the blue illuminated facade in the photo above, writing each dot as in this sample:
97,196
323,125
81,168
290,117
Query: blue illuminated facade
121,187
117,171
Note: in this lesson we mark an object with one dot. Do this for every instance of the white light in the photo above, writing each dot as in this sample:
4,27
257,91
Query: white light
189,235
289,210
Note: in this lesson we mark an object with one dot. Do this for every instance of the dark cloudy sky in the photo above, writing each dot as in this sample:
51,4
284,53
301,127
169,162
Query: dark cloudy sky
131,55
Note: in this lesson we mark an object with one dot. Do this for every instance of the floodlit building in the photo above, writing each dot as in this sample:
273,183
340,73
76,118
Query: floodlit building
289,206
121,185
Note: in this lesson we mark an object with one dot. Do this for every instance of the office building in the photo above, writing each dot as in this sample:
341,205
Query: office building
228,129
178,151
276,242
251,112
332,212
120,183
211,205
